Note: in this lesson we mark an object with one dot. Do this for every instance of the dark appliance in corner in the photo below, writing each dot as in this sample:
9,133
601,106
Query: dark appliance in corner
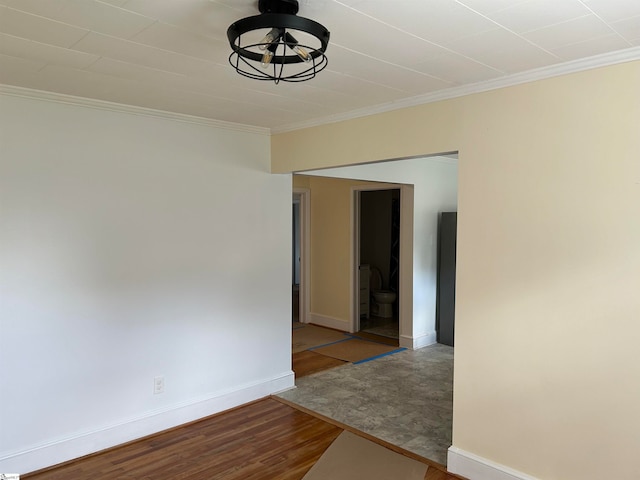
446,284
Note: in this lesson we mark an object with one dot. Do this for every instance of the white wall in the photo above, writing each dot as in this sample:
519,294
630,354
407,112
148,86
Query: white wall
131,247
435,181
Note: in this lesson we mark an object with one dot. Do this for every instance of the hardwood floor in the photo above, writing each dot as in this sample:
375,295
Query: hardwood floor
263,440
308,362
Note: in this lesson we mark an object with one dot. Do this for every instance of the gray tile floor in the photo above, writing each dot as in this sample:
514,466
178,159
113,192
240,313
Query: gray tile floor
405,398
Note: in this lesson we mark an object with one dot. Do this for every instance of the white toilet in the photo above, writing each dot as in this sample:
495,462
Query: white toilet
382,299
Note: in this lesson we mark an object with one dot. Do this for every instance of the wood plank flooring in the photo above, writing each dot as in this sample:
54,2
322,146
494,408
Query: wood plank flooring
308,362
263,440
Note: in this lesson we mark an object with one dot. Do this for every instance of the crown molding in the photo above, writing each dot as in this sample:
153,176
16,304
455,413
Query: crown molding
603,60
130,109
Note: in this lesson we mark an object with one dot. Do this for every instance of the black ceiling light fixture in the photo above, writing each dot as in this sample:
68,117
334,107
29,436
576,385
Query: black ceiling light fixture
278,45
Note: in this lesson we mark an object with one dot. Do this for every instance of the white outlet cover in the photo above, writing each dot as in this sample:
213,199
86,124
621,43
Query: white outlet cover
158,385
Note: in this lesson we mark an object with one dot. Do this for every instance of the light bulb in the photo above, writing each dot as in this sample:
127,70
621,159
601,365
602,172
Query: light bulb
266,58
292,43
269,38
302,53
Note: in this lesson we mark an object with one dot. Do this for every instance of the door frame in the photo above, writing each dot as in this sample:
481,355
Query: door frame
305,247
405,295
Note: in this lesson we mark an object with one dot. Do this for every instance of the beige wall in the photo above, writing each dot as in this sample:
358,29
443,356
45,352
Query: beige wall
330,260
403,133
547,379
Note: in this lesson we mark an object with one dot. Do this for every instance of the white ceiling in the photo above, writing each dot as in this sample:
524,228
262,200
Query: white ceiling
172,55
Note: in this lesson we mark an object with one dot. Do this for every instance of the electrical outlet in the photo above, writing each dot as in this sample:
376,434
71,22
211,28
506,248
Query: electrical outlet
158,384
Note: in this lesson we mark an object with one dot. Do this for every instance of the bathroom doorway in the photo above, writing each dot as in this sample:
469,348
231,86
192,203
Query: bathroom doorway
382,244
379,262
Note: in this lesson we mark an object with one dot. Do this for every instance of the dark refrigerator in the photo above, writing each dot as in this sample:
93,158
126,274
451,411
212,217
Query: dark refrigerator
446,278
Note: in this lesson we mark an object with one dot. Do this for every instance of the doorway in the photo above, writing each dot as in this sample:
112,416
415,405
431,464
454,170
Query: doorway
383,210
428,186
300,251
295,259
379,262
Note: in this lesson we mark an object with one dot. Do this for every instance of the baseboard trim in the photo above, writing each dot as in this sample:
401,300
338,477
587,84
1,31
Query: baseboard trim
69,448
415,343
329,322
474,467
